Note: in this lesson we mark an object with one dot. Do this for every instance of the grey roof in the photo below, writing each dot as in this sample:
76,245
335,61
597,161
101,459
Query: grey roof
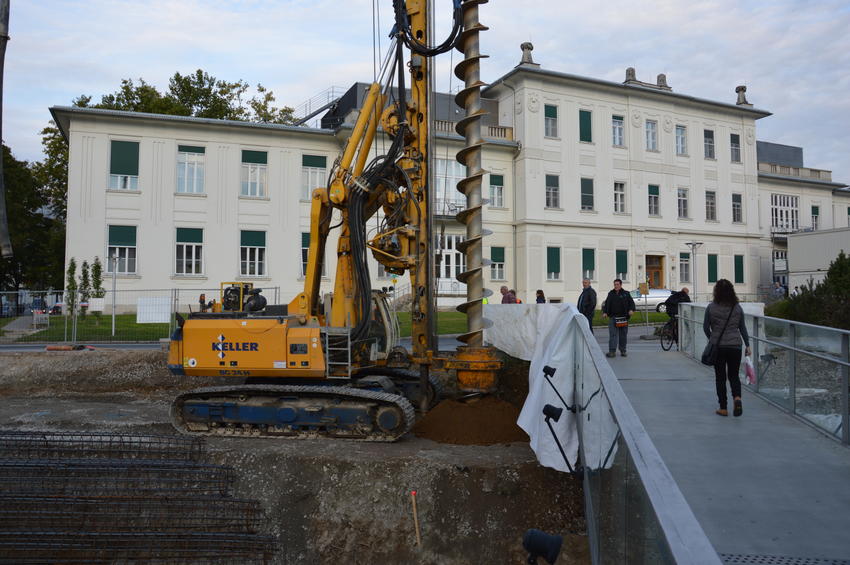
755,112
824,183
61,115
778,154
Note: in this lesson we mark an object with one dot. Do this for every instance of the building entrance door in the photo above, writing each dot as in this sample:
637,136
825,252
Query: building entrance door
655,271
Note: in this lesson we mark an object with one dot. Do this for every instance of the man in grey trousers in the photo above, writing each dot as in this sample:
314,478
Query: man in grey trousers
587,302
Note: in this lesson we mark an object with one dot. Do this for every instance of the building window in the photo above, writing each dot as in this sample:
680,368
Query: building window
497,266
711,205
654,209
124,165
587,194
620,197
252,253
497,189
553,191
382,272
617,131
189,251
685,267
737,208
784,214
735,145
708,141
739,269
450,261
448,201
712,268
553,263
122,246
314,173
588,263
190,169
585,126
681,140
622,264
815,216
254,173
550,121
682,195
651,135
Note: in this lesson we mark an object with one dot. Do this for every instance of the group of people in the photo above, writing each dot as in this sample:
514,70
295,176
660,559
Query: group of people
723,324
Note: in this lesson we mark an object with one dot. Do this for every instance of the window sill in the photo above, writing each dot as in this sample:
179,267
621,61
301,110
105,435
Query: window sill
685,219
260,198
552,138
622,213
498,280
254,277
742,223
712,221
736,162
554,209
192,194
588,211
129,276
711,159
653,151
586,142
658,216
619,146
685,155
554,280
188,277
123,191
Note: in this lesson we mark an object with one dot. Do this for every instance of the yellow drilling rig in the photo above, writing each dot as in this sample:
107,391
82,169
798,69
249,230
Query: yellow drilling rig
332,365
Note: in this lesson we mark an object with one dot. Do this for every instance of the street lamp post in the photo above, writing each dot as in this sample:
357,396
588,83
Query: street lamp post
114,260
694,245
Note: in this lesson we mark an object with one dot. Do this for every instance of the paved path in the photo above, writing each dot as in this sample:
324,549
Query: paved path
761,484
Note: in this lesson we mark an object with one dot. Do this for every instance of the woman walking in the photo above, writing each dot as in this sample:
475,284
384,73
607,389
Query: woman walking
724,327
541,298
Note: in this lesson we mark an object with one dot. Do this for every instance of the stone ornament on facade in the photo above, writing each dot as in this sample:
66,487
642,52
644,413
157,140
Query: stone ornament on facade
631,75
668,124
533,102
636,118
741,90
527,48
750,135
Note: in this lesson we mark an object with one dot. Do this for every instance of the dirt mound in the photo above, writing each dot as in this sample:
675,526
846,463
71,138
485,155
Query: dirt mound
482,421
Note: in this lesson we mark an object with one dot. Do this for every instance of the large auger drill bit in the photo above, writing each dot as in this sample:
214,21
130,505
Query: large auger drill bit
476,364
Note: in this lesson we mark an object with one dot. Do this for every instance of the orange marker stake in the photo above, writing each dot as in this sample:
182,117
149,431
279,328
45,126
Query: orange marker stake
415,518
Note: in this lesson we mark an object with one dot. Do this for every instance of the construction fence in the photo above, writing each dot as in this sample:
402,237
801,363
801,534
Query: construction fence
120,316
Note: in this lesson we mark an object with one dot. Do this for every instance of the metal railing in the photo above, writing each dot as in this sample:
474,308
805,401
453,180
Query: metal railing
122,316
634,510
801,368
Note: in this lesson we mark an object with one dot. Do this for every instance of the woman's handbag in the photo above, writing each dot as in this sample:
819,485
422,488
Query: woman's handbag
621,322
709,354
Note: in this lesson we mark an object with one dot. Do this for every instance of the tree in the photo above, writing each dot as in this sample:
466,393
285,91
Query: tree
85,288
97,284
826,303
38,239
71,286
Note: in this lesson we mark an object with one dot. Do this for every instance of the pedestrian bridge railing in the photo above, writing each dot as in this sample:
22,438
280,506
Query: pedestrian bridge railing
801,368
634,510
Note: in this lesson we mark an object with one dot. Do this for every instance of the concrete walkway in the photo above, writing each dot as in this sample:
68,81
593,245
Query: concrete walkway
762,484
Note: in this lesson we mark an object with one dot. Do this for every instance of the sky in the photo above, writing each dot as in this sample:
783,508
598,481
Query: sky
793,56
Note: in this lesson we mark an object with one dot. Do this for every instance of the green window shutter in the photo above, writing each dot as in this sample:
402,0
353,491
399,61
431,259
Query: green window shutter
305,239
588,259
122,236
550,111
497,254
622,261
553,259
685,256
497,180
617,118
736,198
712,268
253,238
584,125
314,161
124,158
653,190
815,210
552,181
190,235
255,157
739,268
191,149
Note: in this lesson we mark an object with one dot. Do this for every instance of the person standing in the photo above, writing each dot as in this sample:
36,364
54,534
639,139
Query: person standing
672,303
541,298
587,301
508,296
618,308
724,327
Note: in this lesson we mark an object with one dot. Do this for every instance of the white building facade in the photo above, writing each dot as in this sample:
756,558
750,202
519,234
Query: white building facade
586,178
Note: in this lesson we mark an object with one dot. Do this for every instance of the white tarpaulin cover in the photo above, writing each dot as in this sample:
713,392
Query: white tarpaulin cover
153,310
545,335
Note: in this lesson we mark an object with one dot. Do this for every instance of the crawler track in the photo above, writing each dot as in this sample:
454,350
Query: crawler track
289,411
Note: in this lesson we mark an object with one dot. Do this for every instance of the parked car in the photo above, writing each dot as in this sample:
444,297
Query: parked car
653,301
38,306
56,310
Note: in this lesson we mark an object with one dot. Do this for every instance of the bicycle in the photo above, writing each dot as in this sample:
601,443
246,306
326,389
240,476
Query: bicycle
669,334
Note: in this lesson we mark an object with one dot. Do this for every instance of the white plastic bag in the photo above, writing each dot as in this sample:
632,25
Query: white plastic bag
749,370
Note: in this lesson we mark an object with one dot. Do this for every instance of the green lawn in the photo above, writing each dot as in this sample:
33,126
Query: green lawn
93,330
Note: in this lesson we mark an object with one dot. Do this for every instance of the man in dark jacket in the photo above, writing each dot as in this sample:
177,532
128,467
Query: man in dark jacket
587,302
618,304
673,301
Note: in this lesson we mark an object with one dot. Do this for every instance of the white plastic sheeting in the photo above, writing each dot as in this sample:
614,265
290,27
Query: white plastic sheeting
545,334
